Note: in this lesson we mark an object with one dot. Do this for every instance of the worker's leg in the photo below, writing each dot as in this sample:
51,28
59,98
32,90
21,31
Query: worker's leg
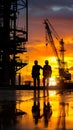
44,82
38,83
44,86
35,82
47,87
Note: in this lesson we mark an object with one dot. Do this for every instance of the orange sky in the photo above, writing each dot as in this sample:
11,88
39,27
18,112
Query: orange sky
61,18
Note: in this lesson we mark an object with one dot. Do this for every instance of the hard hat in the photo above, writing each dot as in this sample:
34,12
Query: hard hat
35,62
46,61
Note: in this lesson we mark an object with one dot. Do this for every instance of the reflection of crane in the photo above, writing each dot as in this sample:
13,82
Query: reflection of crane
62,72
61,119
63,113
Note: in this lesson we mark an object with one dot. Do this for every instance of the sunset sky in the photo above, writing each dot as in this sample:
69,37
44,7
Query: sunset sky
60,14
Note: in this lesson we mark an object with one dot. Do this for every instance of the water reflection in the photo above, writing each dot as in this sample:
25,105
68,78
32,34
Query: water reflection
47,108
49,112
9,113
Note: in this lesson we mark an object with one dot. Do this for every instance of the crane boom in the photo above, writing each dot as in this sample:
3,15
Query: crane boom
51,39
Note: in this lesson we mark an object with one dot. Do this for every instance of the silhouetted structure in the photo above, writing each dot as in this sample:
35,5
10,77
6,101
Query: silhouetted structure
63,70
13,37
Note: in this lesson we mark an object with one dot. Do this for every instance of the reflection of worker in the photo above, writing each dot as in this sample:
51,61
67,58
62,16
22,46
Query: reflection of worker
36,111
36,108
47,112
47,71
36,73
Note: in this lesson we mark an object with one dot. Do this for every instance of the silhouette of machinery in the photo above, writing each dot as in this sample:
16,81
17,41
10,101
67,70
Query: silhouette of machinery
63,70
13,38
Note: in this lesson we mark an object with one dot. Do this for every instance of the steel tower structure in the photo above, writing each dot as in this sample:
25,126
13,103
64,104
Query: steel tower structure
13,38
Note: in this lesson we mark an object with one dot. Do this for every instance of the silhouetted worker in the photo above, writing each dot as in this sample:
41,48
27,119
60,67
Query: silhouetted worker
47,71
36,73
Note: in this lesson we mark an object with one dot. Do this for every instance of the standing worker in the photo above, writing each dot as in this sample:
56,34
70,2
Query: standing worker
36,73
47,71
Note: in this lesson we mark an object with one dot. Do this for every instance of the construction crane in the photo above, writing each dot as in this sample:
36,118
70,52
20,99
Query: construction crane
63,71
13,38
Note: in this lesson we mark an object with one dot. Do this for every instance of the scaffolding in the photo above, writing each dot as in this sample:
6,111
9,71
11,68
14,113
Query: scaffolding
13,38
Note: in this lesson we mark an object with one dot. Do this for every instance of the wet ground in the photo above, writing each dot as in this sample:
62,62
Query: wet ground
30,110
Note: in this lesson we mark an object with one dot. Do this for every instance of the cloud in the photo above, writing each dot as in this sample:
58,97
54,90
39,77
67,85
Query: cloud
59,12
51,8
49,3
